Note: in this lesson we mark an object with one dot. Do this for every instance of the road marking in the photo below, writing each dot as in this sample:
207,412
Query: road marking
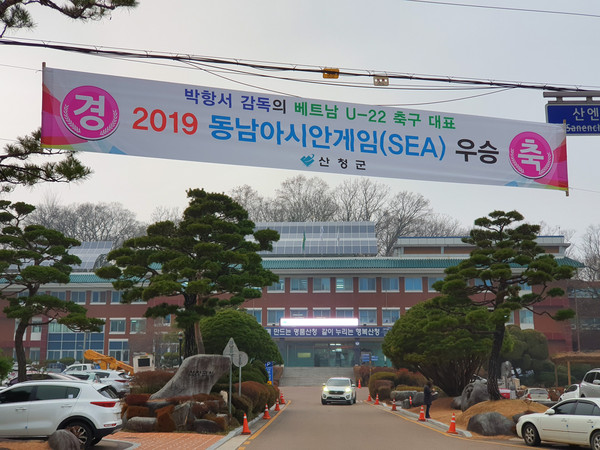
242,447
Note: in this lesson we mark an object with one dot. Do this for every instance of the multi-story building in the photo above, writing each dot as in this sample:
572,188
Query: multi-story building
326,271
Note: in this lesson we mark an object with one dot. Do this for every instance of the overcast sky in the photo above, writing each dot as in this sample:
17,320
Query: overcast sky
413,37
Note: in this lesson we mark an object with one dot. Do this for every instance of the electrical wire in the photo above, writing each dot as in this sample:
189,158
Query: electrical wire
263,66
506,8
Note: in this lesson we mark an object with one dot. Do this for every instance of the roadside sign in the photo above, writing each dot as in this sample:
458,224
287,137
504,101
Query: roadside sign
580,118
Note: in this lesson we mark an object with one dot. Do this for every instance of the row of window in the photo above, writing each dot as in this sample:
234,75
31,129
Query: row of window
81,297
346,284
366,316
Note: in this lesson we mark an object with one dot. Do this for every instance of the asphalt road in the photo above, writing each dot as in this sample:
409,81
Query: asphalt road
305,424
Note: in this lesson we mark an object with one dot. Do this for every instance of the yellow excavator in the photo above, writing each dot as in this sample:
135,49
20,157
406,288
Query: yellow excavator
107,362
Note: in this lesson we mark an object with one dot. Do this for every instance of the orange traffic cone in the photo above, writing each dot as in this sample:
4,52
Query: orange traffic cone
376,400
410,400
394,405
277,406
245,428
281,400
452,429
266,416
369,397
359,385
422,415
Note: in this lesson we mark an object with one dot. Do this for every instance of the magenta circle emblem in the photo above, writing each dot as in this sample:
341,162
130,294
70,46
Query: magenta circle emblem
90,112
531,155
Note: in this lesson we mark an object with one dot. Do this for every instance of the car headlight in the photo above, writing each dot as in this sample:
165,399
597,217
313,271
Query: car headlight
348,390
325,389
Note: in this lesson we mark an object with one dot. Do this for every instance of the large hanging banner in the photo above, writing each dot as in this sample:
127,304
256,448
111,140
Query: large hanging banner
108,114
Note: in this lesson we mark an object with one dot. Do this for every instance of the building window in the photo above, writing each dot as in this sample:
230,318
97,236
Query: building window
321,312
78,297
298,312
389,315
366,285
525,288
163,321
117,326
390,285
99,297
511,318
430,281
115,297
343,285
344,312
119,349
34,354
321,284
367,316
61,295
256,313
36,330
413,284
274,315
278,286
299,285
526,319
138,326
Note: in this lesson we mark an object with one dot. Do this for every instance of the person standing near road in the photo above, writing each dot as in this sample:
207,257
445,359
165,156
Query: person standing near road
427,397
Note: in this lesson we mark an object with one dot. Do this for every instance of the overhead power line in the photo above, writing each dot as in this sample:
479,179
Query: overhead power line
268,66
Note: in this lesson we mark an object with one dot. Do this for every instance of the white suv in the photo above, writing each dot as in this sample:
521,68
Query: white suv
590,385
39,408
338,389
118,380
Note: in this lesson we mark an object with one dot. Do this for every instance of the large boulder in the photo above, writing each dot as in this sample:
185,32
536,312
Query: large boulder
402,395
456,402
142,424
204,426
197,375
474,393
491,424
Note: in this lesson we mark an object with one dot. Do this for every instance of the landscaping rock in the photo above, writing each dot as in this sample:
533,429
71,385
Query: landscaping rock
153,406
197,375
491,424
204,426
142,424
181,414
402,395
63,440
456,401
474,393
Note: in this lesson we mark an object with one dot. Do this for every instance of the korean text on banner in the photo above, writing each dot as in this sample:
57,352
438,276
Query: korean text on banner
108,114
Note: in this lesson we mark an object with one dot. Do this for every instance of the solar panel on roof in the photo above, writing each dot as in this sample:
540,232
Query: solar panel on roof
322,238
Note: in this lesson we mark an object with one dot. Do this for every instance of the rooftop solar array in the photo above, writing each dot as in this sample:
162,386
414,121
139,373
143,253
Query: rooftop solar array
322,238
92,255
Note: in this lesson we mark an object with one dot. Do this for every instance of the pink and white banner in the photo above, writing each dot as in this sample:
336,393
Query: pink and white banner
108,114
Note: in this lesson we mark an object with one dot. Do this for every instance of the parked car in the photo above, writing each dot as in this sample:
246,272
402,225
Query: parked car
573,422
39,408
537,394
570,392
79,368
118,380
36,376
339,389
590,385
86,376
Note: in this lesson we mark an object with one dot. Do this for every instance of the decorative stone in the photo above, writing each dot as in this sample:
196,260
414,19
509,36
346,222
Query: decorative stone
491,424
63,440
142,424
456,401
180,415
474,393
402,395
204,426
153,406
197,375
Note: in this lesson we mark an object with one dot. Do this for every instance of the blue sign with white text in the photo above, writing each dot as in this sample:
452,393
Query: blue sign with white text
580,118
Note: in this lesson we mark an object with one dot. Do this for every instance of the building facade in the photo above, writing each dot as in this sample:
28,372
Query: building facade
326,271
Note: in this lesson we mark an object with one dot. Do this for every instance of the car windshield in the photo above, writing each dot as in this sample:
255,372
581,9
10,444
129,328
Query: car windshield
338,382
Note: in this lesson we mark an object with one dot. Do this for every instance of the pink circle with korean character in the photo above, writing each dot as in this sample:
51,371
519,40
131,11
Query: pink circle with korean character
90,112
531,155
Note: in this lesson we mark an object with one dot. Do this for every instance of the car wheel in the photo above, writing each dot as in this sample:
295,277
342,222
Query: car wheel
531,435
354,400
349,402
83,432
323,402
595,441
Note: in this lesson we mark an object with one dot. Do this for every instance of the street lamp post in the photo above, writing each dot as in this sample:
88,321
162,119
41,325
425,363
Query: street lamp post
180,337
